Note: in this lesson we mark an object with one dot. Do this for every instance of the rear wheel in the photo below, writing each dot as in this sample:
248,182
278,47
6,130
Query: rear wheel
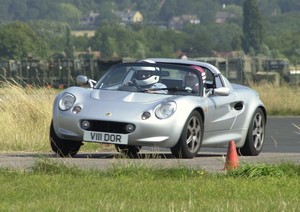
62,147
191,137
128,150
256,135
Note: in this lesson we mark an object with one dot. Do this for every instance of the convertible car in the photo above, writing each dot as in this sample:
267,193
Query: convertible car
178,104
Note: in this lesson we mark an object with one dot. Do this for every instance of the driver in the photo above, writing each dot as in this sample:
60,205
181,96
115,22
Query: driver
191,80
148,79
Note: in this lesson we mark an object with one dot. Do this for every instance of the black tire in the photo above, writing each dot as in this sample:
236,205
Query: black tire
191,137
128,150
256,135
62,147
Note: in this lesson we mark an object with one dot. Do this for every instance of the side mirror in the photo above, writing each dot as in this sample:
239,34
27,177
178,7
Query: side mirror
223,91
82,80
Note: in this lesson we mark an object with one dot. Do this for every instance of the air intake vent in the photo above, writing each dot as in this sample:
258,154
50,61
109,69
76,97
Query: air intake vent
239,106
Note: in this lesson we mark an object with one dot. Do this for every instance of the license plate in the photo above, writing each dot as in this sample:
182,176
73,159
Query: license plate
103,137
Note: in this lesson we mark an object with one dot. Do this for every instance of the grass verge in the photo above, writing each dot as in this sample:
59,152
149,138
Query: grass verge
53,186
25,117
280,100
25,114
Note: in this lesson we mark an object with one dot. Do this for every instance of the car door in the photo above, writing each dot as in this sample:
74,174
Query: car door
221,111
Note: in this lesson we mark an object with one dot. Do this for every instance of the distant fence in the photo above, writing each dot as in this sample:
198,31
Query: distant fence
63,72
245,70
55,73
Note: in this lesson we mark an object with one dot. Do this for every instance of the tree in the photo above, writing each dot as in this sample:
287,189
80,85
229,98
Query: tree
104,41
290,5
69,45
199,42
53,33
18,41
252,27
70,13
18,8
4,13
106,14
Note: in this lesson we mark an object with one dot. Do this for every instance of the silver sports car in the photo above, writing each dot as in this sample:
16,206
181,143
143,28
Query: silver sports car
178,104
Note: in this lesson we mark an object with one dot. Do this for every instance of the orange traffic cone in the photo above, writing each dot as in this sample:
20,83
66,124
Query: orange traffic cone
232,161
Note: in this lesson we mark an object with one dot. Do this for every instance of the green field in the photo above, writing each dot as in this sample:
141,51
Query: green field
51,186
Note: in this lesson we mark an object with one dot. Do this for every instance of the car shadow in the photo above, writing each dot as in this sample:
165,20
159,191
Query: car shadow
111,155
140,155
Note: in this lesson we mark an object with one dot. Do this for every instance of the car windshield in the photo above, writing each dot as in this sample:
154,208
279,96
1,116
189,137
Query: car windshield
152,78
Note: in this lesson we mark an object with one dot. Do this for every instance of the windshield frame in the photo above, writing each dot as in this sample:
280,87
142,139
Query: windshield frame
166,72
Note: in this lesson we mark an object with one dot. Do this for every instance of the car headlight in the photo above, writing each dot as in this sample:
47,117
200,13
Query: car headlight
165,110
67,101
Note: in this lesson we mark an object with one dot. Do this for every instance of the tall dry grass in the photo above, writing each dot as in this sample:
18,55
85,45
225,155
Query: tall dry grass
281,100
25,115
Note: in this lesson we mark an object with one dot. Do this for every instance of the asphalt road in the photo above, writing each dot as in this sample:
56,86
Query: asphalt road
282,145
283,134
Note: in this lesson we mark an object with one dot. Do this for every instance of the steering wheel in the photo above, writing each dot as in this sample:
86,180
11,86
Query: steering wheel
133,83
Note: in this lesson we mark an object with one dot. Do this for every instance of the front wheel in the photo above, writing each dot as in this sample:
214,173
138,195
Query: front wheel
62,147
191,137
256,135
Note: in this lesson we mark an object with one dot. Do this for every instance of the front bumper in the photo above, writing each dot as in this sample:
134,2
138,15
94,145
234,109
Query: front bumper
150,132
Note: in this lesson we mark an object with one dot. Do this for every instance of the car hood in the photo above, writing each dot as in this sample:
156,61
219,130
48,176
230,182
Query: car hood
121,105
123,96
